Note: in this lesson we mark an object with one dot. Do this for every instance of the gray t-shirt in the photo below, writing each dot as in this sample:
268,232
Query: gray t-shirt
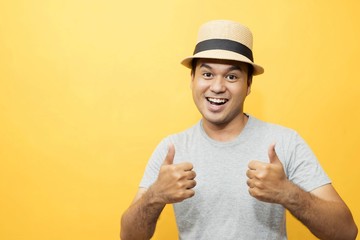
222,208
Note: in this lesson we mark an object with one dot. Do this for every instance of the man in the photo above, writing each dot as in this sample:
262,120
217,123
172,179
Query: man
231,176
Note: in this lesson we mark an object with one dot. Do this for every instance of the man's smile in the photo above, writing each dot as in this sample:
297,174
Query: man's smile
217,101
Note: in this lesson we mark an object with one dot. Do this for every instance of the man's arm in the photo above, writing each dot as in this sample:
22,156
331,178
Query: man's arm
139,220
174,184
322,211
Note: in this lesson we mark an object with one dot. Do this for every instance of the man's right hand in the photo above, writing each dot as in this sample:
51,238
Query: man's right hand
175,182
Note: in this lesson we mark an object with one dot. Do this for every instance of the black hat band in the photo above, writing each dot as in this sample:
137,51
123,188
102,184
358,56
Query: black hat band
224,44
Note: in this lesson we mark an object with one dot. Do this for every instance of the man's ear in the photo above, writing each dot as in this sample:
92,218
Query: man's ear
248,90
192,80
249,82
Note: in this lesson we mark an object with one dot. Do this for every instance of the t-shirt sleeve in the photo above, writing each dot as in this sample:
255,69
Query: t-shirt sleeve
304,168
153,166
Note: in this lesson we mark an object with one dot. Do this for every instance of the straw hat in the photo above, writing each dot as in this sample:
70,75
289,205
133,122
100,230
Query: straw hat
223,39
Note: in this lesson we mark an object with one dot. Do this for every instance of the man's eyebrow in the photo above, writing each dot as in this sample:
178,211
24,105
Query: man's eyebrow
235,67
231,68
205,65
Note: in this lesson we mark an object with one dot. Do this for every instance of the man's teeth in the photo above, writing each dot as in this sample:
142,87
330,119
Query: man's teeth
217,100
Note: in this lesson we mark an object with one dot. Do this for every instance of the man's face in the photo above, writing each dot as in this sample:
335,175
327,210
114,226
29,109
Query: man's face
219,89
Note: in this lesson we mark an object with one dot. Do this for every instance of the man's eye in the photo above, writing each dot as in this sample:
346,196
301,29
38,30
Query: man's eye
231,77
207,75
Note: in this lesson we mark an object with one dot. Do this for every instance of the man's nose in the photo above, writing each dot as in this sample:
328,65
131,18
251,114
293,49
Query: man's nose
217,85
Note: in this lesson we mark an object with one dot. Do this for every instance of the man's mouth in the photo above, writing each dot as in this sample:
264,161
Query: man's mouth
217,101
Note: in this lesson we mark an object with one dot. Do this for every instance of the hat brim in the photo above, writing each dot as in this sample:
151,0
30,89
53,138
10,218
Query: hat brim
225,55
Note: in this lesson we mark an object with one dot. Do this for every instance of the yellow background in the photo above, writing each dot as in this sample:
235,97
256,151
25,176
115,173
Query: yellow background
89,88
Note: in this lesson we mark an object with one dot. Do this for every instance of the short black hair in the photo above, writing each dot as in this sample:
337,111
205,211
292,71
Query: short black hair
193,65
249,77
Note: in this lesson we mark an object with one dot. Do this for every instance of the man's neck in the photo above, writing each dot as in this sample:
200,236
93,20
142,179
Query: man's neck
225,132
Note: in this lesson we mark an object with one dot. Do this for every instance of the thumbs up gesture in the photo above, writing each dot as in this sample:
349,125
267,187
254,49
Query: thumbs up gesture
175,182
267,181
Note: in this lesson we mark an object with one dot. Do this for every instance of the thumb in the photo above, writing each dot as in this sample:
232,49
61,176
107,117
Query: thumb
273,157
169,159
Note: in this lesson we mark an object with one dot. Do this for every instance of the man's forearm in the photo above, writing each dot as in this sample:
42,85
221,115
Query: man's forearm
325,219
139,221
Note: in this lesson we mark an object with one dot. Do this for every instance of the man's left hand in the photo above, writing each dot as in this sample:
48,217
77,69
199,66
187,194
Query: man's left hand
267,181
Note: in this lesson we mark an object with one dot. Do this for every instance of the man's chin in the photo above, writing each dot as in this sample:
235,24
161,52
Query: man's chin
214,121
